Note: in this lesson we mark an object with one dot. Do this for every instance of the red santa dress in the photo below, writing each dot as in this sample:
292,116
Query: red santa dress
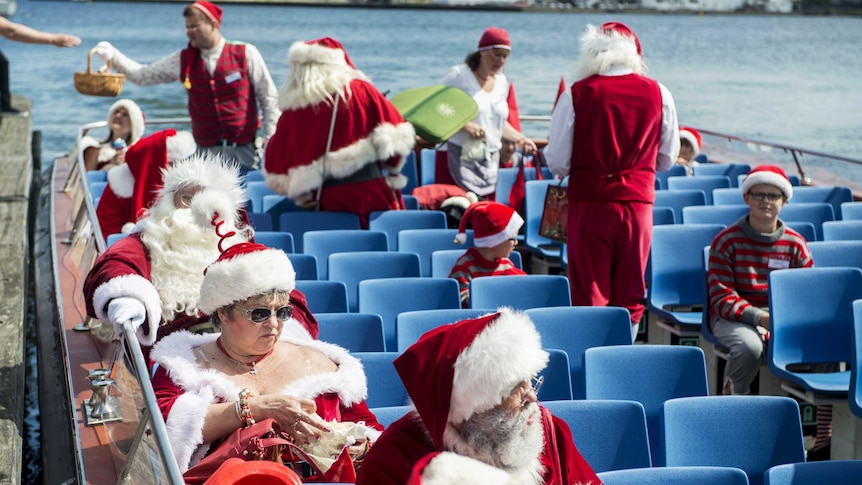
370,140
448,377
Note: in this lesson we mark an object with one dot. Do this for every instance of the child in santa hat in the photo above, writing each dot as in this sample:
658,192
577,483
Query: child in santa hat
689,147
495,235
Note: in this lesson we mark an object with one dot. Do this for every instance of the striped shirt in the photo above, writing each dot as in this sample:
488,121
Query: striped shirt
472,265
740,260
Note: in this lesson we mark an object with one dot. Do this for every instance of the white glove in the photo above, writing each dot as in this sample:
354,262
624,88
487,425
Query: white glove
125,309
105,51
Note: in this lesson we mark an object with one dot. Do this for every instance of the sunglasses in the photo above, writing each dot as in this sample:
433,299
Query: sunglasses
261,315
761,196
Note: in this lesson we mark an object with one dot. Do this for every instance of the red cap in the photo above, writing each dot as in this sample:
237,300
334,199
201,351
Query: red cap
692,136
211,10
770,175
495,38
624,30
493,223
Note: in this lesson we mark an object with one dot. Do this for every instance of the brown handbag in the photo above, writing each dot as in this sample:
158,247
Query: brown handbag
555,219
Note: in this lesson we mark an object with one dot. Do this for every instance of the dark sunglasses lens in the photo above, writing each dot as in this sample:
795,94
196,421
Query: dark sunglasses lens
284,313
260,315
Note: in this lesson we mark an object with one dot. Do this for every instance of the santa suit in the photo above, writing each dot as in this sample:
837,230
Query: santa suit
451,374
370,138
629,130
133,186
184,389
124,270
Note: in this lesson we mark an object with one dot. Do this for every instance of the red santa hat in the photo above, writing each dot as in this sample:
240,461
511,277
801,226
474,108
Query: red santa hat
210,10
769,175
140,178
495,38
136,117
468,367
692,136
325,50
493,223
242,271
619,28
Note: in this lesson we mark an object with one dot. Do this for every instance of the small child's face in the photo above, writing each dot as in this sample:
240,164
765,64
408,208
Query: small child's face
686,151
504,249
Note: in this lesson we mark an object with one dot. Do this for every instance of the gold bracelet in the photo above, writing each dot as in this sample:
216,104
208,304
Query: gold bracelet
243,410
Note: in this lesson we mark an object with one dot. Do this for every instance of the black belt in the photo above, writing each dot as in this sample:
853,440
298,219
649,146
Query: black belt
227,144
364,174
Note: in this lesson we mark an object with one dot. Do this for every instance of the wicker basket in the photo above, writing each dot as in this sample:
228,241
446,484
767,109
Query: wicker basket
98,83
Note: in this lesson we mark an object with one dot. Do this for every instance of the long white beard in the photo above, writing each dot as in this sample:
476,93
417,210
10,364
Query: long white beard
179,252
497,438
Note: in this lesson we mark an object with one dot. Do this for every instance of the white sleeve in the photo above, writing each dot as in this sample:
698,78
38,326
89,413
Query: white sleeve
265,91
165,70
558,152
452,78
668,149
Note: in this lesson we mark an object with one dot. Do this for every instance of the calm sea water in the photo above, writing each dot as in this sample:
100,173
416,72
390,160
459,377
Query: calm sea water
785,79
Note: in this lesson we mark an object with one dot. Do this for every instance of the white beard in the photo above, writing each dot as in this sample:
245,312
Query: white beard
497,438
179,250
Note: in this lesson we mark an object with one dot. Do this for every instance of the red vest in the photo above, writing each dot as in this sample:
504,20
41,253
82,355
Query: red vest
221,106
616,138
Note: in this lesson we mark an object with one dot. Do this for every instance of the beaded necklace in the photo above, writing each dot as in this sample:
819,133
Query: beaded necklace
252,364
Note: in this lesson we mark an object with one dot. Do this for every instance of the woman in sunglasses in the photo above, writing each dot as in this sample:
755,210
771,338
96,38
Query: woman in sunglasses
262,365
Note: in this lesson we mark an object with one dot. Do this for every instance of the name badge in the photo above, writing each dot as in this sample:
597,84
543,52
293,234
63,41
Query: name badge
232,77
778,262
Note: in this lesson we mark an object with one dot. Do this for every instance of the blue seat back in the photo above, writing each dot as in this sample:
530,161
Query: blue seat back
620,424
731,196
384,384
253,176
678,475
409,326
409,170
677,199
731,170
520,291
832,195
112,238
443,260
391,222
428,166
356,332
814,212
662,216
534,205
842,231
674,171
389,297
706,183
805,229
576,329
812,322
275,240
713,214
97,176
305,266
410,202
557,382
255,190
830,254
387,415
652,374
854,395
506,179
851,211
298,223
356,266
276,205
705,329
260,221
322,243
324,296
96,190
424,242
815,473
752,433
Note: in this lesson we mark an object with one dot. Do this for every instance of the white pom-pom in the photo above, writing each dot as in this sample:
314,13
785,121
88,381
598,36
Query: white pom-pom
461,238
180,146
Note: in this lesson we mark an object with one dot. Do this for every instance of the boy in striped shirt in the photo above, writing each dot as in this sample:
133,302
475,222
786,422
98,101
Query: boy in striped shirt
495,233
740,260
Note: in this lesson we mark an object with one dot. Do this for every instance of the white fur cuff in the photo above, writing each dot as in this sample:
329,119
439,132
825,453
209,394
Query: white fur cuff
132,286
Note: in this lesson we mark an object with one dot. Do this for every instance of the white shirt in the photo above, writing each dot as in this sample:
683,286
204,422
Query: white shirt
167,69
493,106
558,152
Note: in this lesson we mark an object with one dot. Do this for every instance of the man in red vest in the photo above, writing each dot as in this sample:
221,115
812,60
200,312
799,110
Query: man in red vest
226,82
610,133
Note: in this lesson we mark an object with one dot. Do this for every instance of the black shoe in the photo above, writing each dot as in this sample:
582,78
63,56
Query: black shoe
820,454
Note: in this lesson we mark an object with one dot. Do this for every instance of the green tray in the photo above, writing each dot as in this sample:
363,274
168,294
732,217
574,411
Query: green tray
436,112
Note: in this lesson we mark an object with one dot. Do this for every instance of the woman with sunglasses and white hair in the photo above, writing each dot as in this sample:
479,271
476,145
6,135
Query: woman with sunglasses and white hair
263,364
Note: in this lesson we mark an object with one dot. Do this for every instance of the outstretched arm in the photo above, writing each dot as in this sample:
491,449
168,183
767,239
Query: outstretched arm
22,33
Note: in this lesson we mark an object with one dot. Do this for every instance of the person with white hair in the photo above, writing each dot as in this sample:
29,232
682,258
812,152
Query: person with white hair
153,276
476,420
609,133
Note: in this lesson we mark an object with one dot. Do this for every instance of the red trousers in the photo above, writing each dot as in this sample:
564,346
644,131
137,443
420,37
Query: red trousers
608,247
361,198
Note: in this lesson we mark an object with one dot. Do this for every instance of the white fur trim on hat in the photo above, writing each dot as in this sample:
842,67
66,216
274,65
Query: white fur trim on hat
121,181
180,146
244,276
602,50
209,172
317,73
508,352
449,468
136,117
757,177
689,137
511,230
